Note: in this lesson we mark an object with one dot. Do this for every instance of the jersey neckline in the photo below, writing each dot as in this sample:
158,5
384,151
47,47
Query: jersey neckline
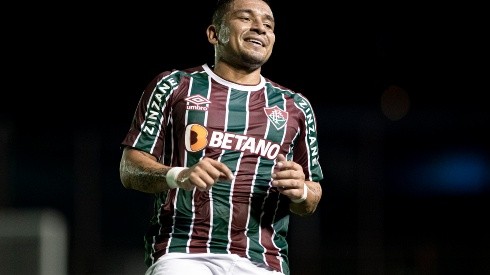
248,88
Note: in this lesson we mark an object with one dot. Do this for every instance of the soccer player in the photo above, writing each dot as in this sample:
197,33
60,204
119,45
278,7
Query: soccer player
227,153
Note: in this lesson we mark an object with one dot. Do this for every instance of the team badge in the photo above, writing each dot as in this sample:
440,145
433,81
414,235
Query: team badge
278,117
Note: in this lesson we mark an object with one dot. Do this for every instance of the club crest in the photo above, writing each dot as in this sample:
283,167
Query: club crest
278,117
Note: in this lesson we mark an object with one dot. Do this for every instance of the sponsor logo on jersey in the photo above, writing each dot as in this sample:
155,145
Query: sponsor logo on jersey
197,138
278,117
311,128
195,103
154,114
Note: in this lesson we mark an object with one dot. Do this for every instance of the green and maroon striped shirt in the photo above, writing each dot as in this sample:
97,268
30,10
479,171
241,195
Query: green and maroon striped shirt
185,115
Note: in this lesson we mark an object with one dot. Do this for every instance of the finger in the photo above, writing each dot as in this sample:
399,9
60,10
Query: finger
281,159
224,172
210,171
287,190
290,166
195,181
202,181
293,189
289,174
224,177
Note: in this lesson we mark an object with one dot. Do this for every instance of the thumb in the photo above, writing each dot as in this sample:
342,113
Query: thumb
281,157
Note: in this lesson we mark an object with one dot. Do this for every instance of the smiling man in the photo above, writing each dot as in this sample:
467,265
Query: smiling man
227,153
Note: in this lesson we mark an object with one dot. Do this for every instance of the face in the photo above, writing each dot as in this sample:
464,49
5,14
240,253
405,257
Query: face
246,37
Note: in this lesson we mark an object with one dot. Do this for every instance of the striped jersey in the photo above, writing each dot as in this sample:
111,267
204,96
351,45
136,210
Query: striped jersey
185,115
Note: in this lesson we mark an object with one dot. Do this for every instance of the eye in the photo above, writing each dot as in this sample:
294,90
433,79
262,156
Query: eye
268,23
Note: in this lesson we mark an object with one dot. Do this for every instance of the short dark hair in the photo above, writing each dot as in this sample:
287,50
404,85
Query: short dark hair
220,10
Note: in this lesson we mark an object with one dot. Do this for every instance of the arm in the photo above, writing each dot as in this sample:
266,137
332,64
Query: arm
141,171
308,206
290,181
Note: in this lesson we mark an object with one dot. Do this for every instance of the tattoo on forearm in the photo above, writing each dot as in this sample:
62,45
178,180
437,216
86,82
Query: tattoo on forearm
316,191
145,179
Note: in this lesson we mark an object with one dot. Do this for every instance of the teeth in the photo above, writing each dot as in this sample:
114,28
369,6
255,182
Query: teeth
255,41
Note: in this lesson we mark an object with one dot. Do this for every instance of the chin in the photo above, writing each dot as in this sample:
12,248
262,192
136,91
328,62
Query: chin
257,60
253,64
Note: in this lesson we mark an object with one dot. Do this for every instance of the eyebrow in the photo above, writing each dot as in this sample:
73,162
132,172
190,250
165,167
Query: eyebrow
268,16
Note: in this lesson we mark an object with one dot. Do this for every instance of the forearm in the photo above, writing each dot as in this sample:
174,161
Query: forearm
140,171
308,206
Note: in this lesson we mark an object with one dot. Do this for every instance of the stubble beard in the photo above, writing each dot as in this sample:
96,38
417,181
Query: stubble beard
242,59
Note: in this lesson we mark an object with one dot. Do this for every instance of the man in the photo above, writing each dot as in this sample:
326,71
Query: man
227,153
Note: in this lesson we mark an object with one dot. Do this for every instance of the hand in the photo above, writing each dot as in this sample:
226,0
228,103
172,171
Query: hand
204,174
289,178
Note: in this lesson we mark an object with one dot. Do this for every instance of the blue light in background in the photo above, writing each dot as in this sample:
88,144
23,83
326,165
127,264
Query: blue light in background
449,173
458,173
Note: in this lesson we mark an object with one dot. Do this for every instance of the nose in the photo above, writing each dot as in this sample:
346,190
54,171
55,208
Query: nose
258,26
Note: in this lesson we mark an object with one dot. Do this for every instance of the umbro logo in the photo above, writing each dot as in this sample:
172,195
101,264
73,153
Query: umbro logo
195,103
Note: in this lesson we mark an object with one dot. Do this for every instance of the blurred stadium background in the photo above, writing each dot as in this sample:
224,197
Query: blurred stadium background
400,94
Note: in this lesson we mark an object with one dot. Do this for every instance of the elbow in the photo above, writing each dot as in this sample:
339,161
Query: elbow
125,180
124,176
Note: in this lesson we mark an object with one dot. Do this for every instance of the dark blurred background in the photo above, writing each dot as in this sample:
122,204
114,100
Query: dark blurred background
400,94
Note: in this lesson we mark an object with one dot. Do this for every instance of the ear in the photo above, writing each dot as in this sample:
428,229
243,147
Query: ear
212,34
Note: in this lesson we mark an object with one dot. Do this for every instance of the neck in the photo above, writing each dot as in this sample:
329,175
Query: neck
240,76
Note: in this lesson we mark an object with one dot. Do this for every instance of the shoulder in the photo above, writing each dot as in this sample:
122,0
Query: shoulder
176,77
287,92
181,73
